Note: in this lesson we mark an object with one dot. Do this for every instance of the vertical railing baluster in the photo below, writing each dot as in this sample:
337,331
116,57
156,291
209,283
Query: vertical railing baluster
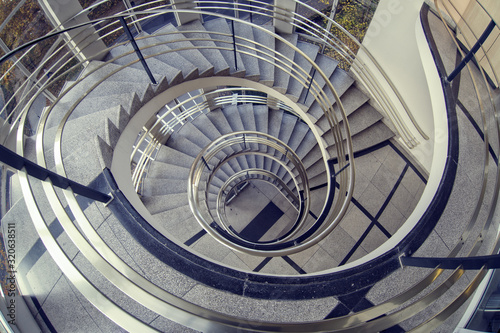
234,47
310,84
137,50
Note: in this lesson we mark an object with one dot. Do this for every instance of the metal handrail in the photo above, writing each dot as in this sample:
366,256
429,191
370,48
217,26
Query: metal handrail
330,324
209,152
243,176
80,241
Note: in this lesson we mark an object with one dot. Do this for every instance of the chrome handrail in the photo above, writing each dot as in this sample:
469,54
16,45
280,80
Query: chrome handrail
210,151
244,176
363,319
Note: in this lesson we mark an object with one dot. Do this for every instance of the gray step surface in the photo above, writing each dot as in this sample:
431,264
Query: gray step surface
152,187
168,55
200,38
303,68
266,65
163,170
225,41
161,203
285,55
373,135
250,62
358,121
328,66
172,156
178,42
129,101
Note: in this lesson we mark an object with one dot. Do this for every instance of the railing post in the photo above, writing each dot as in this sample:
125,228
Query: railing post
137,50
234,47
310,84
283,18
205,162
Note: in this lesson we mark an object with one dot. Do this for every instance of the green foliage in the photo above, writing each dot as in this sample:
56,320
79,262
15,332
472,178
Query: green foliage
27,24
355,17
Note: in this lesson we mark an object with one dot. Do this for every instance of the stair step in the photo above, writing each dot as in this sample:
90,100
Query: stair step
329,67
274,124
100,71
207,47
85,155
174,157
153,187
285,54
250,62
261,123
246,112
130,103
161,203
373,135
193,134
299,132
363,118
179,222
106,88
353,99
177,42
266,68
167,55
295,87
183,145
160,170
225,41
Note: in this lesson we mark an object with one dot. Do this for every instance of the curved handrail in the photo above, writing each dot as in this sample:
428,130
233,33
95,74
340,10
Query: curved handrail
244,176
331,324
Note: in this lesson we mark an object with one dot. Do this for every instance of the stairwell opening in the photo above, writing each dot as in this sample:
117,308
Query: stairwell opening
260,212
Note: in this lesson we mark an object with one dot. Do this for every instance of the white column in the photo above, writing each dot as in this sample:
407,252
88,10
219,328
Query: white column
61,13
183,18
282,18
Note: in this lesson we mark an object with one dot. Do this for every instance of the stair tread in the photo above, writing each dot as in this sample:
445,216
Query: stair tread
329,67
213,55
160,203
173,156
153,187
151,46
286,55
129,101
373,135
266,68
295,87
359,120
220,25
250,62
194,56
160,170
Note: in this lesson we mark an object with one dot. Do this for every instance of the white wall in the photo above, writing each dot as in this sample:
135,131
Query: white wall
393,39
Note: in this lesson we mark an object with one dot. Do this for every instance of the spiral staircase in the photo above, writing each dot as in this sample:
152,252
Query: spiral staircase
224,115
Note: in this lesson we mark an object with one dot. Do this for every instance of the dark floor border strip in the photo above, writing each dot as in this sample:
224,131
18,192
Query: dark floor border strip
374,220
262,264
43,315
393,191
408,162
197,236
477,128
294,265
